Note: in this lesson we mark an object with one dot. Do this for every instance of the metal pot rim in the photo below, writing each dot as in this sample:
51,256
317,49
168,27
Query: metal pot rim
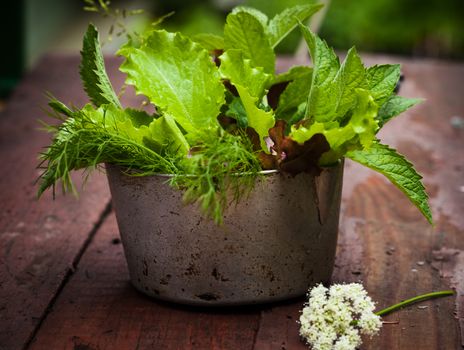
262,172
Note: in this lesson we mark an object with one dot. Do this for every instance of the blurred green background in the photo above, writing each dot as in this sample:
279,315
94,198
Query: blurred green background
429,28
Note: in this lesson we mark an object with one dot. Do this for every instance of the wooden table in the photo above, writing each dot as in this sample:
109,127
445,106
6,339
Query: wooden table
64,282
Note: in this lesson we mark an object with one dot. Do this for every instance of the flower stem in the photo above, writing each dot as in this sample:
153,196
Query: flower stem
417,299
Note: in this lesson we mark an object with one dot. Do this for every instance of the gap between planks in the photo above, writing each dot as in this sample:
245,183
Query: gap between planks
70,272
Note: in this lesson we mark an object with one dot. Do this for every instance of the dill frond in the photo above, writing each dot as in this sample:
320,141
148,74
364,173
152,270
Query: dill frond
221,171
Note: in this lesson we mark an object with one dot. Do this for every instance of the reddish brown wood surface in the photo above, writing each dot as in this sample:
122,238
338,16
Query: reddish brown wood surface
384,242
39,240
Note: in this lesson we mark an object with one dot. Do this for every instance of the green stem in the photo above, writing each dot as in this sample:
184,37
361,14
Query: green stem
417,299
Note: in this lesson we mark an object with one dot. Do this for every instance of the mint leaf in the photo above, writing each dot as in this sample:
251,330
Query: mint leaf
382,80
93,73
398,170
394,106
350,77
178,76
209,41
245,32
283,23
322,99
258,119
294,95
240,71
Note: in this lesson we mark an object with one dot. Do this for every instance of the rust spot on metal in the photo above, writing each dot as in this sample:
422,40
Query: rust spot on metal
191,270
218,276
145,268
208,296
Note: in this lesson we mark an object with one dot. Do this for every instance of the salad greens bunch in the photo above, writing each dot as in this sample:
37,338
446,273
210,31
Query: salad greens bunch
222,110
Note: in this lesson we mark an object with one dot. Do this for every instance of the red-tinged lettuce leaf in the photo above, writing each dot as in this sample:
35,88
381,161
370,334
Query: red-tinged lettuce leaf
291,157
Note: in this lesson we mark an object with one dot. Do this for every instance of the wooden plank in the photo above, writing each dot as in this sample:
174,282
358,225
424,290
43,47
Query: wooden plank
99,309
39,240
384,241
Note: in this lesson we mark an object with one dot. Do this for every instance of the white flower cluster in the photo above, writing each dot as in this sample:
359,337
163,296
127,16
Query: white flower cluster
335,318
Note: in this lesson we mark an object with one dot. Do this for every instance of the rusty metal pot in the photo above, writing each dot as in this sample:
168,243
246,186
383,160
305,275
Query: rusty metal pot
272,246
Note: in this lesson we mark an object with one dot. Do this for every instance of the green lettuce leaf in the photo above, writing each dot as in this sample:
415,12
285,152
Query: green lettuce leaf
209,41
138,117
244,31
258,119
93,73
162,135
165,136
260,16
178,76
283,23
382,80
240,71
116,120
394,106
398,170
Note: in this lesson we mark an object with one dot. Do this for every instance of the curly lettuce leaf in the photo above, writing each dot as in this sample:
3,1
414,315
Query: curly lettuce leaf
178,76
283,23
209,41
166,136
245,31
258,119
398,170
260,16
93,73
240,71
116,120
161,135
